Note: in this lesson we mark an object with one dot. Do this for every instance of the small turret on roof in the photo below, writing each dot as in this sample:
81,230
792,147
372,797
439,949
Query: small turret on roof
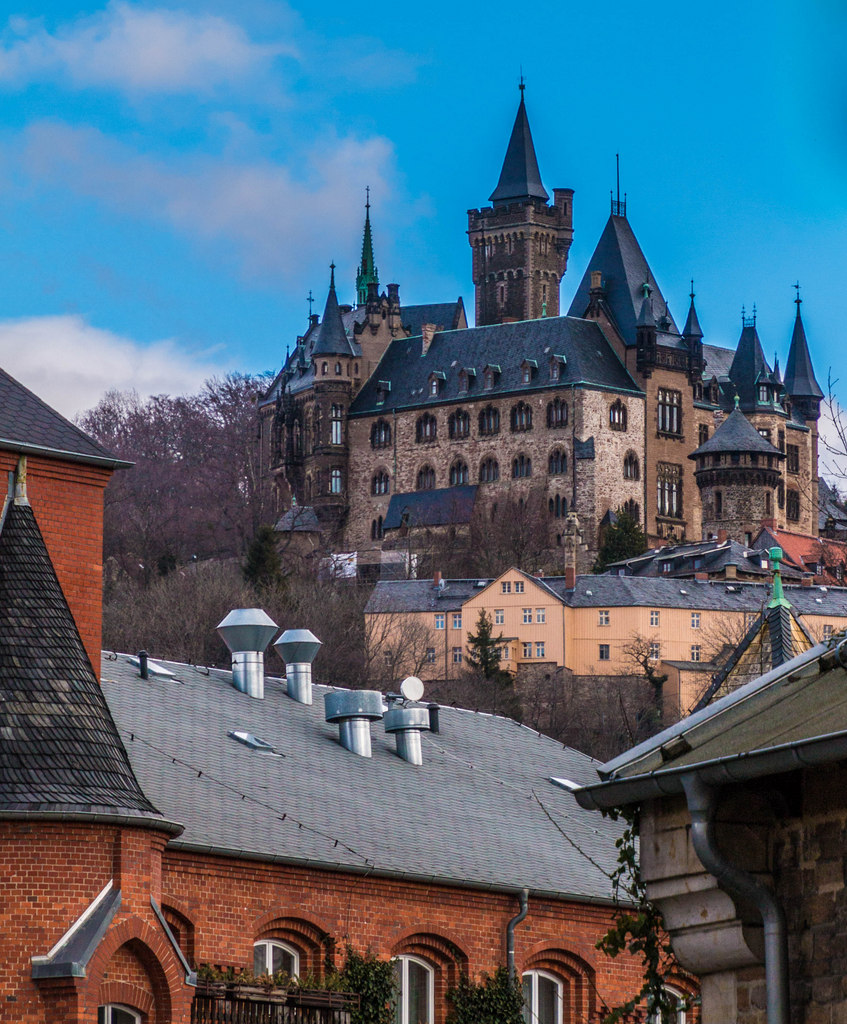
520,178
736,434
692,331
645,317
332,338
800,379
367,273
749,369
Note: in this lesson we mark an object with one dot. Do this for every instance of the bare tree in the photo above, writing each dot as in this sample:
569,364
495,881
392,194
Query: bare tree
395,646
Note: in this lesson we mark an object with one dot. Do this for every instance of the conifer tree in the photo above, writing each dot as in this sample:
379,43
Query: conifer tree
623,539
484,648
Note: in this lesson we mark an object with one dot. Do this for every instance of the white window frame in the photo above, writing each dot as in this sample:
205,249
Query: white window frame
696,652
430,655
457,655
695,620
402,1001
654,617
560,994
519,586
527,649
106,1016
506,588
655,650
680,1017
539,649
603,617
527,616
440,620
268,945
499,616
541,615
457,620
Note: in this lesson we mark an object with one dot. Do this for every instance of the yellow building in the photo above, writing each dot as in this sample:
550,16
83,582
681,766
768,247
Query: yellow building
600,626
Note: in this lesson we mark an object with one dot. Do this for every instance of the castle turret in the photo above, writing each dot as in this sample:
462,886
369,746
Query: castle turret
800,383
367,273
737,473
520,244
693,337
754,381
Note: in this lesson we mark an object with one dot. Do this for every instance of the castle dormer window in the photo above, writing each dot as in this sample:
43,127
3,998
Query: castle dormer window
529,367
383,388
557,366
436,383
764,394
491,374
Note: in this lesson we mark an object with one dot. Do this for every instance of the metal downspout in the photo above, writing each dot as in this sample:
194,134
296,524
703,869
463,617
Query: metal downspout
523,896
701,806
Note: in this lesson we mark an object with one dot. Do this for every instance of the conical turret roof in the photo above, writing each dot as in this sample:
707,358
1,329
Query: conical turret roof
332,339
367,273
520,177
61,752
800,379
749,367
692,323
737,434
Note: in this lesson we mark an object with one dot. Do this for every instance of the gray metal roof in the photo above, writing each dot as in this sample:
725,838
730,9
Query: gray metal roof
469,815
589,360
30,426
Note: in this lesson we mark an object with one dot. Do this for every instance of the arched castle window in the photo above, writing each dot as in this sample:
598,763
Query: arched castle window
426,478
336,424
520,417
557,464
501,294
489,421
376,528
381,434
792,505
338,369
630,466
335,481
426,428
669,412
632,509
557,413
270,957
458,473
318,425
459,424
489,471
521,466
355,369
669,490
297,437
380,482
558,506
617,415
324,369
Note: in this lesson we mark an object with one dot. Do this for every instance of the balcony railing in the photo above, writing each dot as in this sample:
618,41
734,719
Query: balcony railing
226,1003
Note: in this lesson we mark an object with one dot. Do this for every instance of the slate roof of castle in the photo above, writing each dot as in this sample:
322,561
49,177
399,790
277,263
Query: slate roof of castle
29,425
749,367
800,378
737,434
471,814
60,751
445,315
590,361
520,178
709,556
625,271
439,507
718,361
331,337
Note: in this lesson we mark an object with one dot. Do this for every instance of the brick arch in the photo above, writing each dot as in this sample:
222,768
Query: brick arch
311,938
578,979
129,995
151,947
448,959
181,926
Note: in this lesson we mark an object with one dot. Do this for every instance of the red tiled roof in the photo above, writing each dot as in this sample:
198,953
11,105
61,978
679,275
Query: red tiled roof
805,551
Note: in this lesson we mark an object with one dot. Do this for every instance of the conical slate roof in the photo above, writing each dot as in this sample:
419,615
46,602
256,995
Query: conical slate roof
367,273
749,366
692,324
332,338
736,434
800,379
60,750
625,272
520,177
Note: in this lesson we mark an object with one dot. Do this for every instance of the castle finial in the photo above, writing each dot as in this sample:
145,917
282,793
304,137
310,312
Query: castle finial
778,598
310,299
367,272
737,400
332,276
691,293
522,84
798,300
367,200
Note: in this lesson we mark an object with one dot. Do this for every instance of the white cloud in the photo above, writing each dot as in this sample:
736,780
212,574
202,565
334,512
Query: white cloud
70,364
138,50
274,221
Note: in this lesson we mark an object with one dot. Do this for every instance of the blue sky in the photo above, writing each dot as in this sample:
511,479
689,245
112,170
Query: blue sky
174,179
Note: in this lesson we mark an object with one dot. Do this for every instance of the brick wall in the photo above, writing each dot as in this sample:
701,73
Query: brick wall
67,499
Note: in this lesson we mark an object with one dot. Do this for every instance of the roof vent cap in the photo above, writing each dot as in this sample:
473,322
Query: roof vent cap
407,724
247,632
298,649
354,710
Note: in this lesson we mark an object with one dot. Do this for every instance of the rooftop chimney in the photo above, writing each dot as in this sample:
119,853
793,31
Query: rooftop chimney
407,723
722,536
247,632
354,710
298,648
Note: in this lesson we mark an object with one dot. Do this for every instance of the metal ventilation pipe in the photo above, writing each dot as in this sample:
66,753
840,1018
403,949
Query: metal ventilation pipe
247,632
298,648
407,724
354,710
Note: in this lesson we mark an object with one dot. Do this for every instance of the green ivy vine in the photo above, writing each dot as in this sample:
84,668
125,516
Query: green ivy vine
496,999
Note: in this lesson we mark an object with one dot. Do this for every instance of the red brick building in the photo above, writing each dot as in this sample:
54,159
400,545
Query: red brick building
202,826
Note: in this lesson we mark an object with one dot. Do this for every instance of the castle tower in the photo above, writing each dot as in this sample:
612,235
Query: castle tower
737,472
367,273
800,383
520,243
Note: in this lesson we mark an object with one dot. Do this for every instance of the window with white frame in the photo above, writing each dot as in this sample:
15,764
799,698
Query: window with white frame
506,588
539,649
519,586
654,617
430,655
439,620
271,957
415,991
527,649
542,998
336,426
335,481
457,655
695,620
603,617
655,650
540,614
457,620
527,615
114,1013
499,616
827,631
504,654
695,652
671,1014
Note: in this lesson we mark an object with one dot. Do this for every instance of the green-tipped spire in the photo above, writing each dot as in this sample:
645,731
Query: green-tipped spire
778,598
367,270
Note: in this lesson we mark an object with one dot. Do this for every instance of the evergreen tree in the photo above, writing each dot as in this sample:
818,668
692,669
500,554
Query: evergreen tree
262,566
484,649
623,539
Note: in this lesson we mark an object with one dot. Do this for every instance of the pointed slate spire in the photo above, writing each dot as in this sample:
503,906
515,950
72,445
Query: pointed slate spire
367,273
749,367
692,331
800,379
646,317
332,339
520,177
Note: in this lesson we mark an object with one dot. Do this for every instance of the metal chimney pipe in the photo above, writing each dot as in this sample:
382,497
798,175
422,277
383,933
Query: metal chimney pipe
354,710
434,723
407,723
247,632
142,665
298,649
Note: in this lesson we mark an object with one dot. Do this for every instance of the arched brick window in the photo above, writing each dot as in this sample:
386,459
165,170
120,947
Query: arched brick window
557,413
458,473
441,961
630,466
489,421
558,506
617,415
380,482
459,424
270,956
381,434
520,417
426,479
426,428
570,987
521,466
489,471
557,463
114,1013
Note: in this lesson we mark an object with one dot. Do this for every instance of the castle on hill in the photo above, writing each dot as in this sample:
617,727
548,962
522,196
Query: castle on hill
386,418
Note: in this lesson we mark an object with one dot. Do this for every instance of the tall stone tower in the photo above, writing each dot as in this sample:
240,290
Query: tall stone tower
520,243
